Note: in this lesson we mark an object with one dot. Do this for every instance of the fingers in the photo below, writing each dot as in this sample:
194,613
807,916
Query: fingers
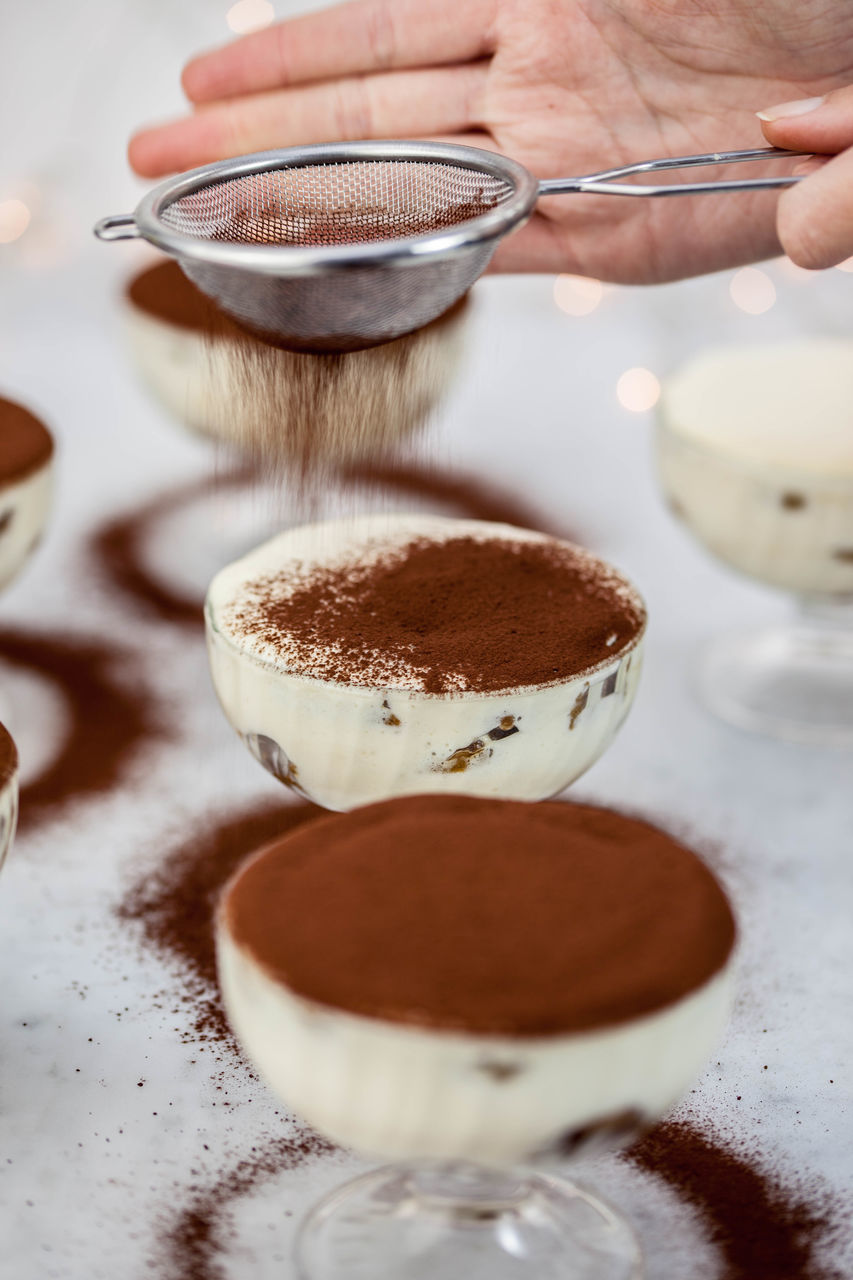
349,39
823,124
443,100
815,218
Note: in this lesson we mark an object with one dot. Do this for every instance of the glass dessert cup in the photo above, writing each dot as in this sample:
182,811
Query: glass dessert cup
8,792
343,744
755,455
466,1114
792,530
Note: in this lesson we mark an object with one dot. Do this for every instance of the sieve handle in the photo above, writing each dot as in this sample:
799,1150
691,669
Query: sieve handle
607,181
118,226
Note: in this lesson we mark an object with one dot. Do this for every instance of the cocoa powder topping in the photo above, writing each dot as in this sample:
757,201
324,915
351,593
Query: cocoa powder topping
25,443
489,916
443,616
164,292
8,756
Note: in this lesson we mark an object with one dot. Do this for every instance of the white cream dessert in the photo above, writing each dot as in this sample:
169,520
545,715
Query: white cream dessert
26,485
386,655
755,451
227,385
476,979
8,792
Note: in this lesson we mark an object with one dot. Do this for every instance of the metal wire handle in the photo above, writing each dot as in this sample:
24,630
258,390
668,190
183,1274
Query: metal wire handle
604,183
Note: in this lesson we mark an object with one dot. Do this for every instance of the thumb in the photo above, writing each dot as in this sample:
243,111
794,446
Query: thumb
823,125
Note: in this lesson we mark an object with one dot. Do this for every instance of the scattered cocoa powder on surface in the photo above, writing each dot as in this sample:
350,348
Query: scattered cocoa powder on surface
192,1245
465,613
111,714
118,546
765,1228
25,442
452,911
174,904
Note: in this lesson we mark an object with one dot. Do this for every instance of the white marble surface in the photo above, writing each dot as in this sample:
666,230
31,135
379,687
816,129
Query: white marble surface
91,1164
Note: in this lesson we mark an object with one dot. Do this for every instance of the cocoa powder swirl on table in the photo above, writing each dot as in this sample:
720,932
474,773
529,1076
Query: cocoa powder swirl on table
766,1226
174,904
463,613
118,546
487,916
112,715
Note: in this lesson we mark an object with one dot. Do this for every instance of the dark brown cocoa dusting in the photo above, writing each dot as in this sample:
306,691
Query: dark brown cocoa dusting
765,1228
111,715
479,615
8,756
174,904
490,916
118,546
25,442
197,1236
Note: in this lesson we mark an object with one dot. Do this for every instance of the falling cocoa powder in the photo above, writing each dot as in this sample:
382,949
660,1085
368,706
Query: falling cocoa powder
301,410
111,715
174,904
765,1228
195,1239
118,546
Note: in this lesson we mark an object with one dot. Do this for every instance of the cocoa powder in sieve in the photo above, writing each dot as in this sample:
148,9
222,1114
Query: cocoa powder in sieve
26,445
491,916
464,613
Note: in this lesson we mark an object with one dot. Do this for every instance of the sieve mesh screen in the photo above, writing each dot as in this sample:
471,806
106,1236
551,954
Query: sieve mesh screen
334,204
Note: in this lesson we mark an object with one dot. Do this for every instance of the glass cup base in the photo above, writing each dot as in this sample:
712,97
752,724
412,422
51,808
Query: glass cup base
791,681
420,1221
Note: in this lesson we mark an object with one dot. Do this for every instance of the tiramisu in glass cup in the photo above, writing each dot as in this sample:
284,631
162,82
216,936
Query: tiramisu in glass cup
755,453
26,486
8,792
389,655
471,987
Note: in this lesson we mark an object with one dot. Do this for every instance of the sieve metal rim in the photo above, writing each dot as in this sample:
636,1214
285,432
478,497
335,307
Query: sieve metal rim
306,260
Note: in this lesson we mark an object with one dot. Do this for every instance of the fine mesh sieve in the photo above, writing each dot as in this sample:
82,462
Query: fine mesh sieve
334,248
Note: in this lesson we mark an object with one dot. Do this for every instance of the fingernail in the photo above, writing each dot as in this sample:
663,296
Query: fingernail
800,107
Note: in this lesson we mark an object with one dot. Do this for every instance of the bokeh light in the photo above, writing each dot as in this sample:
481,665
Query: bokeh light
752,290
14,220
577,295
249,15
638,390
846,265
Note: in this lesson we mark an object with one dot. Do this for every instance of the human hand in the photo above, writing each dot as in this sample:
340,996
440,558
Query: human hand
815,218
563,86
